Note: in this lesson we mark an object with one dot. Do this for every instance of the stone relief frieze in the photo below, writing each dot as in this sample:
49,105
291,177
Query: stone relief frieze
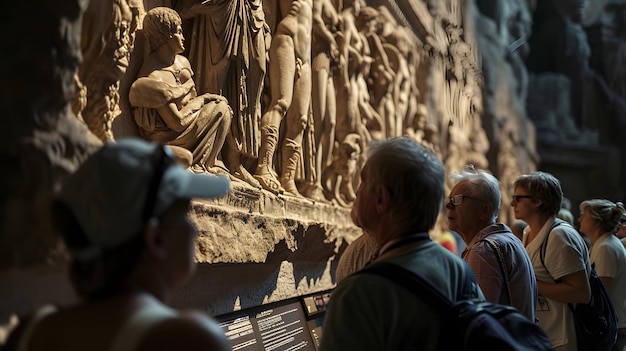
107,39
164,100
292,107
463,77
309,83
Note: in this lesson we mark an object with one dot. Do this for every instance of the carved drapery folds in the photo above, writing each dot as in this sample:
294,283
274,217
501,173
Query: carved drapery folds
107,39
325,77
456,75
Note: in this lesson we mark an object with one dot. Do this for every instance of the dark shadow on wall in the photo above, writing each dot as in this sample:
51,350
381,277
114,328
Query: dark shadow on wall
314,251
249,284
252,284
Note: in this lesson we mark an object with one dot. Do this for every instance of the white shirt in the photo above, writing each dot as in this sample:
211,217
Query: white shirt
566,253
609,256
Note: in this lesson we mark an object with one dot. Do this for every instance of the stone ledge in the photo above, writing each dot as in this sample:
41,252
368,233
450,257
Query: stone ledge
254,247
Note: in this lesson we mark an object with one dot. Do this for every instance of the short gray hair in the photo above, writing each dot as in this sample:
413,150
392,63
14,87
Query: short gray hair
414,177
486,184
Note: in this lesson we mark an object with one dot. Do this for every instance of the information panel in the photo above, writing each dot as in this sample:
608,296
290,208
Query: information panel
290,325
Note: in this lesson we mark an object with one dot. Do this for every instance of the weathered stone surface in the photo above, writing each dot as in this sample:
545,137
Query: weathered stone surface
467,64
40,139
287,247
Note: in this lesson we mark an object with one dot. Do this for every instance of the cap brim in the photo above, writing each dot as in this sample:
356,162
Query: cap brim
193,185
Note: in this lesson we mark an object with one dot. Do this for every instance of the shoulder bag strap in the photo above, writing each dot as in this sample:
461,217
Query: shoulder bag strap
494,245
412,282
544,245
24,341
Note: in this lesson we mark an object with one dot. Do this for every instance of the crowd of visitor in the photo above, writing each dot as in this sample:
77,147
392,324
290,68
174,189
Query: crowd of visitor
126,266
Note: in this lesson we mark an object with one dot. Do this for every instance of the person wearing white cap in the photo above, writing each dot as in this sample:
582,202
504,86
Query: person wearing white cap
123,216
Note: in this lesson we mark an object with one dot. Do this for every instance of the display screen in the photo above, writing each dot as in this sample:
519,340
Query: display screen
315,304
289,325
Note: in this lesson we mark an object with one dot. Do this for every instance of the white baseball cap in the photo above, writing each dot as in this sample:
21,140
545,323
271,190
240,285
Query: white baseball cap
118,188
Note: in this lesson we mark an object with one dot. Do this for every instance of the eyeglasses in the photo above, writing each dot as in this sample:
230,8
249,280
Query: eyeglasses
516,198
457,200
163,159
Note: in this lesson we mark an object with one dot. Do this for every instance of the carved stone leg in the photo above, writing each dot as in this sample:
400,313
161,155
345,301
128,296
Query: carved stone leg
290,157
347,189
264,171
313,192
237,170
182,155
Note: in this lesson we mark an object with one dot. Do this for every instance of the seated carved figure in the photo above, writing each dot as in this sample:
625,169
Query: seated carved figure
164,101
338,178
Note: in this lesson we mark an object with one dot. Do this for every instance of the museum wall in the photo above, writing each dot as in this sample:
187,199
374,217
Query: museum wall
510,86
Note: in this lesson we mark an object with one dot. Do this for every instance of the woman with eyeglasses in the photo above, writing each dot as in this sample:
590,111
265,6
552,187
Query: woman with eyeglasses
599,220
558,254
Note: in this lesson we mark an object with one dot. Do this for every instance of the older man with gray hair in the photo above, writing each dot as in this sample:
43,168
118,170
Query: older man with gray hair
497,257
397,203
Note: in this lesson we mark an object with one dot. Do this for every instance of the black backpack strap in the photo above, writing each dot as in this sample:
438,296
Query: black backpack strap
496,247
544,244
412,282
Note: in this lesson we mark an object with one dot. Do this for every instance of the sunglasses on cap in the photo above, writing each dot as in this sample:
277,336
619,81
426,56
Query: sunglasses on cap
162,160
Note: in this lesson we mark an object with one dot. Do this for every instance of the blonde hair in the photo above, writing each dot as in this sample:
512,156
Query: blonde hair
607,213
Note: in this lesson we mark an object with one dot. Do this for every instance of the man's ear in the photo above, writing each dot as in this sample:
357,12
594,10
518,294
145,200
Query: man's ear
153,238
486,210
383,198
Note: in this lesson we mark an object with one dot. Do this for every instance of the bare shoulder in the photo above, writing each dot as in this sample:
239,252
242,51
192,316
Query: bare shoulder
191,330
182,62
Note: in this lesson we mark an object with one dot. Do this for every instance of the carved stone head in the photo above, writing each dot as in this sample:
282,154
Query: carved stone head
159,25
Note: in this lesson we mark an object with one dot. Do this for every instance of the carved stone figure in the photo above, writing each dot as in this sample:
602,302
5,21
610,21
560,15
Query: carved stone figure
348,120
228,51
398,62
325,61
355,113
290,84
107,39
338,179
431,138
424,131
39,131
164,101
379,77
462,72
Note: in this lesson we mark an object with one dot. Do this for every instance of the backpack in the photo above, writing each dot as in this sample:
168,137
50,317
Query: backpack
595,321
470,325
